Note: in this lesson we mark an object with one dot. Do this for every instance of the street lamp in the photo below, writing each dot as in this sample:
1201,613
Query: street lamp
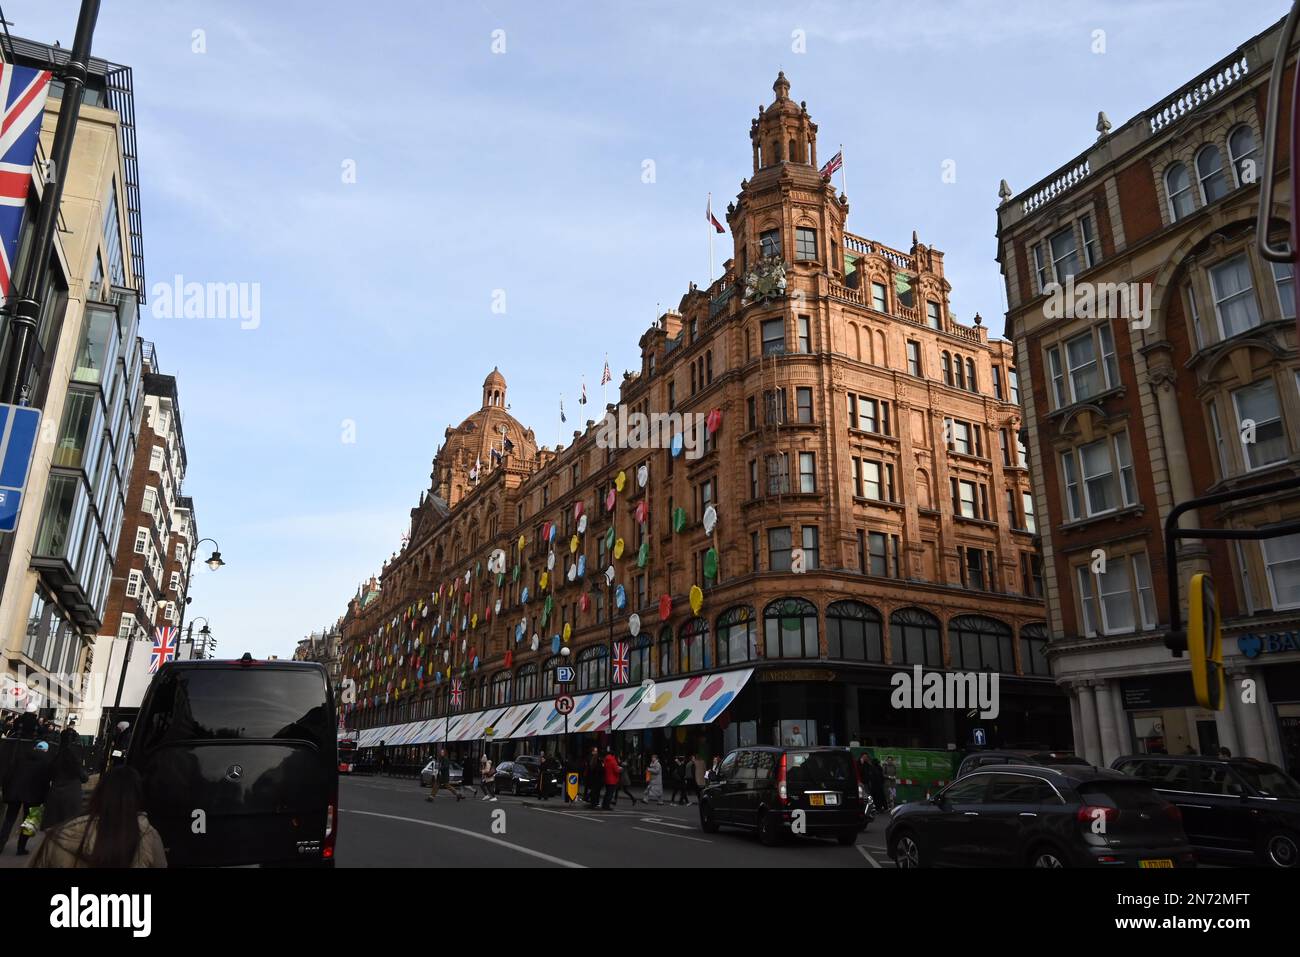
609,661
205,637
213,562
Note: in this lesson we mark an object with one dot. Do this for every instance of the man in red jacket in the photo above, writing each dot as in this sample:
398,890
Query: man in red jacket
612,771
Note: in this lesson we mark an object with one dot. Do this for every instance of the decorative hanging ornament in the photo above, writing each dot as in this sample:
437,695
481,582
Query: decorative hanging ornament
711,564
642,475
473,620
676,446
634,624
620,480
610,498
532,645
522,542
565,651
515,576
620,598
642,512
584,603
519,630
555,645
568,630
710,520
550,560
577,510
643,555
497,606
609,575
467,576
609,537
510,658
582,525
713,421
523,596
582,566
543,579
679,519
618,548
573,571
697,599
665,607
573,545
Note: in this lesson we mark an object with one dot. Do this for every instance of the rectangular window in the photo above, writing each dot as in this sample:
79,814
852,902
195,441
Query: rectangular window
1234,296
966,499
974,568
879,300
773,331
1040,267
755,553
774,407
807,472
1284,280
856,464
805,335
997,382
914,358
98,338
1259,424
879,557
961,441
1085,372
1220,448
1282,569
1091,248
1012,518
141,540
1058,377
810,539
1014,382
133,582
1005,447
1099,488
1022,453
156,459
753,478
872,485
751,409
770,241
1070,475
932,314
778,549
803,404
805,243
778,474
1027,499
1065,253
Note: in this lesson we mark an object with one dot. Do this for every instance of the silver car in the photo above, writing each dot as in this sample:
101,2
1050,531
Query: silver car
453,778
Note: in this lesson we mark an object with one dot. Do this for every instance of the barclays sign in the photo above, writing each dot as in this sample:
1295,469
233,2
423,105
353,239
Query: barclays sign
1252,646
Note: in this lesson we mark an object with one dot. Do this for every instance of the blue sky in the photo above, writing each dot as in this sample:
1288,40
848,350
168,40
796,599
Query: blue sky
521,171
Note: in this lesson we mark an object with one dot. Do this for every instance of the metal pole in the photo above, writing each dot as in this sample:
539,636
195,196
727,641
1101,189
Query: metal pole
27,310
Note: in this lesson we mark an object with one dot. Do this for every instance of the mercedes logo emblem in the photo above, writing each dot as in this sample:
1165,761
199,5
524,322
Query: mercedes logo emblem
234,772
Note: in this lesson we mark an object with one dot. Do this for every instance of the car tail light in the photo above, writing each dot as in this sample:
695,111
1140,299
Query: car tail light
1173,812
1088,813
781,791
331,832
857,773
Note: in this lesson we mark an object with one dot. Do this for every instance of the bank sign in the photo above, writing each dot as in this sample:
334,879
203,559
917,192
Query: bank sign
1252,646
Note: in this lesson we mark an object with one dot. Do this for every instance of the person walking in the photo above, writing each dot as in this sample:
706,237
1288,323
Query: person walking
25,787
488,772
545,768
115,832
695,769
654,781
625,782
877,786
594,776
612,770
890,771
678,775
64,802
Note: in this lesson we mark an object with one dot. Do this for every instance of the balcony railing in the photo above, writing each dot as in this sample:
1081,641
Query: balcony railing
863,246
1215,81
1056,184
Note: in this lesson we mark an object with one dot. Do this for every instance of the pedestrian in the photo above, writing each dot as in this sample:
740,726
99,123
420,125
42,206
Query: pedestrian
466,775
625,782
654,781
678,775
695,769
890,771
25,788
488,772
64,802
714,772
117,745
115,832
877,786
437,768
796,738
383,757
612,771
545,768
594,777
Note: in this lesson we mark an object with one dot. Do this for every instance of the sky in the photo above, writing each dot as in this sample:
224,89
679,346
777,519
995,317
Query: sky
383,178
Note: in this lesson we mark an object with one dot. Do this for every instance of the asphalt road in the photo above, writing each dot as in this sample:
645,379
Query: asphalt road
386,822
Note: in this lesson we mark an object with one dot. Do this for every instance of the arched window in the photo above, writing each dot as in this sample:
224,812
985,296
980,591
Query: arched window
914,637
1033,649
639,660
946,362
1179,187
593,668
980,644
853,632
1241,153
548,676
790,629
693,654
794,157
1209,170
665,663
501,688
958,374
526,683
970,375
737,636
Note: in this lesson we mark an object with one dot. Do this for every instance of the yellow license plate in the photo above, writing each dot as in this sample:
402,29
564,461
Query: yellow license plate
817,800
1156,862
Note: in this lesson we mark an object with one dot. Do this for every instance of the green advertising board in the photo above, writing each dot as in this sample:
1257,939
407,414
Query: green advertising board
928,769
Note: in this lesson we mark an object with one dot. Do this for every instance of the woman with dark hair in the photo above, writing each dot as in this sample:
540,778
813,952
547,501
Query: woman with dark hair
114,833
64,799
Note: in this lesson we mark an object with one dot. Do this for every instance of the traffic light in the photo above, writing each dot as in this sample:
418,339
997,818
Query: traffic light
1205,642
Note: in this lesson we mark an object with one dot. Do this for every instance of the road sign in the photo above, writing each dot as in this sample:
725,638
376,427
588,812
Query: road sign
19,426
1205,642
563,675
977,737
571,785
564,704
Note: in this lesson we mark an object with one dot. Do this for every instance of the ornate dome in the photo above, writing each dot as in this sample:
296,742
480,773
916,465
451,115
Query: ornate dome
466,455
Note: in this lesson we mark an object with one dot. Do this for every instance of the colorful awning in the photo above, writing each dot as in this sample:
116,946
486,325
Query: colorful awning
697,700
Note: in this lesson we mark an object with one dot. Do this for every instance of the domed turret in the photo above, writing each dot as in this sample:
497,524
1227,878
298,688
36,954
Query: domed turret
784,132
494,389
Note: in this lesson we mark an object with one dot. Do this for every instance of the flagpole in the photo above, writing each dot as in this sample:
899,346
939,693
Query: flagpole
709,226
844,185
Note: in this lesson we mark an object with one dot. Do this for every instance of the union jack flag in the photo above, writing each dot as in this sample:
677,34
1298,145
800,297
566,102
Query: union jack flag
620,662
22,94
605,376
457,695
164,647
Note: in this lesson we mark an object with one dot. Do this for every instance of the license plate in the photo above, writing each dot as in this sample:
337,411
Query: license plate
1156,862
832,799
817,800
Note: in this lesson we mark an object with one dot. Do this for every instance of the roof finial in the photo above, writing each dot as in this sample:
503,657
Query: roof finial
782,86
1103,125
1004,191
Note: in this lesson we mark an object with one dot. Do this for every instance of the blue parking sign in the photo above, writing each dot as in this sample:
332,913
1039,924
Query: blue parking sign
978,737
18,428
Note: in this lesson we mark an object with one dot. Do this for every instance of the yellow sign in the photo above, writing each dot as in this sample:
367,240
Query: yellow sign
571,785
1205,642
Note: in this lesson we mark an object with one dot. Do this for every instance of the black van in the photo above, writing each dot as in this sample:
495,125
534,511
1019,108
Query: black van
761,788
239,762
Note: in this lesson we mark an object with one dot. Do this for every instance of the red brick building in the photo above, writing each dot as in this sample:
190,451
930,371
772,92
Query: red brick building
852,424
1159,352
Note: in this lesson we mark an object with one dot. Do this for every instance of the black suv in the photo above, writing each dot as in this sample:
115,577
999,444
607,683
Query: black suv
1235,810
1023,815
984,759
252,745
762,788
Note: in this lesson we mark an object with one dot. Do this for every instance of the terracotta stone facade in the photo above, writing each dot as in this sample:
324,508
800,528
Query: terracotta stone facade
857,421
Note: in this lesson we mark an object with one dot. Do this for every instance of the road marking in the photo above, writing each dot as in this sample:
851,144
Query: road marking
870,860
474,834
580,817
680,837
655,820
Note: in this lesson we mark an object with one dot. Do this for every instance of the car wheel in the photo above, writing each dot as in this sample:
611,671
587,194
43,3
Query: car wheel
1281,850
769,829
847,837
1046,857
707,824
907,853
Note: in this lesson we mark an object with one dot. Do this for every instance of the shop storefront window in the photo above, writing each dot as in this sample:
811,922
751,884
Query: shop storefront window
790,629
639,661
914,636
853,631
548,676
737,636
1033,649
592,667
694,648
665,651
980,644
526,683
501,688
